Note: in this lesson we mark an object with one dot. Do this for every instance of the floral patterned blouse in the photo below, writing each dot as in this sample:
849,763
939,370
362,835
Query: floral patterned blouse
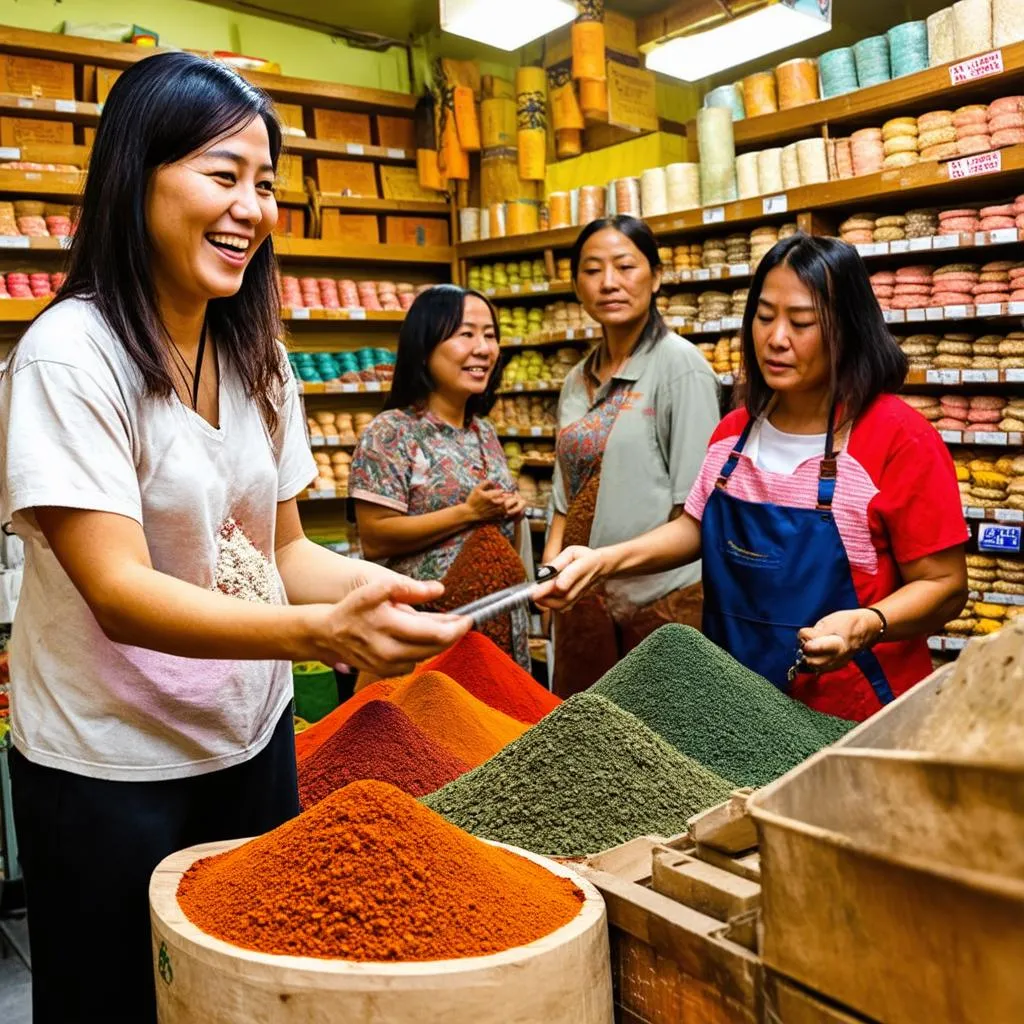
415,463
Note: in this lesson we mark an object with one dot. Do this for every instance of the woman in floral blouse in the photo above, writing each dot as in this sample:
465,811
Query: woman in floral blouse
433,493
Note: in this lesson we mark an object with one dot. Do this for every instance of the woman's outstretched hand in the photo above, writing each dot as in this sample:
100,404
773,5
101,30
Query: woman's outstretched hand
579,569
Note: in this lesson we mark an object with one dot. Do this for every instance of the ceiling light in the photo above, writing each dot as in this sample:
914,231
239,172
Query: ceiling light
505,24
735,42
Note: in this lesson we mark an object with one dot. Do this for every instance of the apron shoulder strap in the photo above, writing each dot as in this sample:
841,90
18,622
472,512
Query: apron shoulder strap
829,467
734,457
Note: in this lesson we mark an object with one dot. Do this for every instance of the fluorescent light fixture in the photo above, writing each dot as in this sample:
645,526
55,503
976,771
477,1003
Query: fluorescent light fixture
735,42
505,24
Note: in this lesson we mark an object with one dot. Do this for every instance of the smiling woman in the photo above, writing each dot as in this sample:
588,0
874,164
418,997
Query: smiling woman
153,446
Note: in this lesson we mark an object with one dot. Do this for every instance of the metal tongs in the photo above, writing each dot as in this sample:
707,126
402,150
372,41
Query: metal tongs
502,600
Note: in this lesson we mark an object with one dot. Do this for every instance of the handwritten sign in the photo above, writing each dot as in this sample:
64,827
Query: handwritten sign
972,166
982,66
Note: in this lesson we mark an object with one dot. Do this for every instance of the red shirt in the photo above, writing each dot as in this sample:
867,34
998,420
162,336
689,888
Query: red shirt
896,500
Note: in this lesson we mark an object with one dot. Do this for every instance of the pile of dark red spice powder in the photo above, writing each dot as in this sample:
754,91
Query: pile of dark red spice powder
370,874
309,739
377,742
483,669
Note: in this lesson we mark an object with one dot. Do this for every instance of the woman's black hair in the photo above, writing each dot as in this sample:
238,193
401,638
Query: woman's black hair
159,111
864,359
434,317
644,239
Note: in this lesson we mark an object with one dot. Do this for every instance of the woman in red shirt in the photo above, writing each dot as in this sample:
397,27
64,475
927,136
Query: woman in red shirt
827,513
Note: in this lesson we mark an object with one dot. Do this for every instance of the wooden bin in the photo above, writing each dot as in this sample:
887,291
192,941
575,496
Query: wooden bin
562,978
893,883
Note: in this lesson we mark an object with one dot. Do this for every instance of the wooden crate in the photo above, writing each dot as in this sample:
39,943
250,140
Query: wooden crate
38,78
19,131
347,177
788,1003
349,227
341,126
396,133
416,231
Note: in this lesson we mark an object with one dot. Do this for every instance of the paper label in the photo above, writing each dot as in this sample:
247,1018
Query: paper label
350,389
954,312
685,275
24,104
65,106
713,214
988,309
396,154
946,241
373,386
355,148
570,334
490,292
956,643
1009,515
997,537
997,437
775,204
702,275
895,316
712,325
515,289
14,242
64,241
942,377
536,431
951,436
971,166
982,66
726,380
1014,376
935,643
357,314
980,376
1002,236
740,270
317,442
10,153
590,332
1015,308
970,512
300,313
917,315
732,323
332,441
900,246
920,244
540,286
934,313
865,248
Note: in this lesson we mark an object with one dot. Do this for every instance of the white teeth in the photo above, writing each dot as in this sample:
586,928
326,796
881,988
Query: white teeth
236,242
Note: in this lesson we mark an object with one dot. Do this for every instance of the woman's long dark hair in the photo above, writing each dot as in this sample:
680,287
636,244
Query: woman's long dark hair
434,317
864,359
644,239
159,111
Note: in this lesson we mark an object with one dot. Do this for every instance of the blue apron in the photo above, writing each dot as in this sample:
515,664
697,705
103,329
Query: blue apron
771,570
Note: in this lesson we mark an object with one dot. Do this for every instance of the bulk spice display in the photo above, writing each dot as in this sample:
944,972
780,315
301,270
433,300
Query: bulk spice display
369,874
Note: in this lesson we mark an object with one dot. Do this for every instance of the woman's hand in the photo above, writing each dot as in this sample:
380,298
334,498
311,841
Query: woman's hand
486,503
376,629
579,569
834,640
515,505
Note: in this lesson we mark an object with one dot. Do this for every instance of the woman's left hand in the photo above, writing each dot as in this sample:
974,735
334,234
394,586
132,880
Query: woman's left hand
834,640
515,505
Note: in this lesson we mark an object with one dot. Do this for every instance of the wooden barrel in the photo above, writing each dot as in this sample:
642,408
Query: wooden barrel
563,978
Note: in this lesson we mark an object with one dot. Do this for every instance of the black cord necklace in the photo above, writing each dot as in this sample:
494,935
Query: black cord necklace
195,374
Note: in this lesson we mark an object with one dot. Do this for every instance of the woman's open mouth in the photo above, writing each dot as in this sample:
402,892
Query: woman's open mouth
234,248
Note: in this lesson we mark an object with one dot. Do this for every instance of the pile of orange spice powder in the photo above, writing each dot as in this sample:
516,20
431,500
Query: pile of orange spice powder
370,874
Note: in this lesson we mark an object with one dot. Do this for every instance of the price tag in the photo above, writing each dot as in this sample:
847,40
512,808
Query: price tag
25,104
900,246
300,313
512,432
14,242
64,241
865,249
935,643
739,270
396,154
915,316
996,437
972,166
355,148
946,242
1014,376
685,275
945,377
956,643
920,244
775,204
357,313
540,286
570,334
982,66
711,326
1002,236
718,271
934,313
350,389
954,312
317,442
372,386
590,332
980,376
1009,515
1015,308
515,289
970,512
10,153
536,431
702,275
951,436
490,292
65,106
726,380
981,238
988,309
732,323
713,214
997,537
895,316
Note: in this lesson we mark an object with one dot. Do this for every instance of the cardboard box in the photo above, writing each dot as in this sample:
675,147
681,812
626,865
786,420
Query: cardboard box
290,115
291,222
632,103
396,132
105,79
620,34
349,227
289,173
404,183
30,76
16,131
416,231
347,177
341,126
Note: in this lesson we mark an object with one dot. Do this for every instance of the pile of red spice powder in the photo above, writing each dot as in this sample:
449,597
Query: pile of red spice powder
309,739
370,874
377,742
482,668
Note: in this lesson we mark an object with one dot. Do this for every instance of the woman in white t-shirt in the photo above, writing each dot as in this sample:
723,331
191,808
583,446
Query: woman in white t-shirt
153,449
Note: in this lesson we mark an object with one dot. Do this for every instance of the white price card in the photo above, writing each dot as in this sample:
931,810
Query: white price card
982,66
702,275
65,106
332,441
718,271
971,512
14,242
951,436
357,313
981,238
935,643
895,316
1002,236
10,153
396,154
956,643
1009,515
732,323
490,292
1015,308
300,313
570,334
25,104
934,313
915,316
372,386
685,275
944,377
980,376
726,380
712,325
996,437
972,166
355,148
998,537
536,431
512,431
539,286
920,244
739,270
1014,376
946,242
954,312
515,289
64,241
317,442
899,247
713,214
590,332
775,204
988,309
865,248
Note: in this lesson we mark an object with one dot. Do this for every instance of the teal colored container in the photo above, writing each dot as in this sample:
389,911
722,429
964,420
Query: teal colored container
908,48
872,57
838,71
730,97
316,690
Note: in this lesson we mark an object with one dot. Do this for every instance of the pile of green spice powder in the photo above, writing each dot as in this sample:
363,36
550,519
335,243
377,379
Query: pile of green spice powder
715,710
587,777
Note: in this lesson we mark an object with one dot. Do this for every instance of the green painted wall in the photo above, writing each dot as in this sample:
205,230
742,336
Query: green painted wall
300,52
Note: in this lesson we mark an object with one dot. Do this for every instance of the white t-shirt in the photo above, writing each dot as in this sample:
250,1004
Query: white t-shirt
776,452
77,431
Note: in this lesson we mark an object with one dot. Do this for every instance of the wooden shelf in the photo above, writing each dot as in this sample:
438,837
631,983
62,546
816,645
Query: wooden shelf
336,389
540,387
302,146
47,153
284,88
551,338
75,111
538,464
911,94
359,204
994,515
22,243
21,311
957,378
533,290
360,316
315,249
330,441
322,494
517,433
912,185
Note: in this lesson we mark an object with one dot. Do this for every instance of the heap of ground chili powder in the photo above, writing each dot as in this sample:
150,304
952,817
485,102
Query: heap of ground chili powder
309,739
377,742
454,718
482,668
370,874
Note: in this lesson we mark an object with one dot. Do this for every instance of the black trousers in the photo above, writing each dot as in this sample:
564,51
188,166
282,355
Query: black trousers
88,848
